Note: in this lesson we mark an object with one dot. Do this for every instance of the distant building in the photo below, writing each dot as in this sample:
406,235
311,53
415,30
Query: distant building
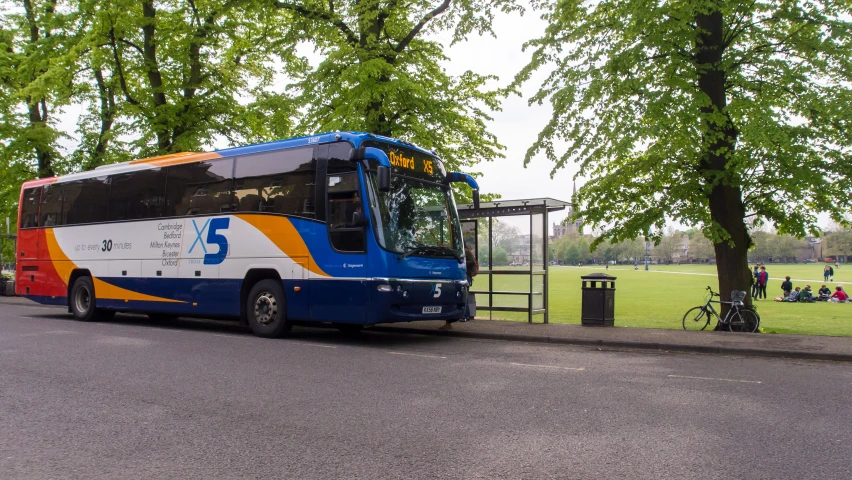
521,254
816,250
570,228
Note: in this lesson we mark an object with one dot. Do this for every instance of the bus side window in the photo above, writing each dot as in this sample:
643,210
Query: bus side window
137,195
200,188
343,211
86,201
281,182
51,205
29,207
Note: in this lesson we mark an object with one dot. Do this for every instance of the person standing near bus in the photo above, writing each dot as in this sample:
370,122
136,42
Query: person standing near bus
472,267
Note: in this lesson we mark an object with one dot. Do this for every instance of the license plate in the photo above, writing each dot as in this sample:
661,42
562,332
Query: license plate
431,309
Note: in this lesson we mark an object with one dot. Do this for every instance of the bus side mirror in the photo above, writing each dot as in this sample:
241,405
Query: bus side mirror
383,177
476,199
372,153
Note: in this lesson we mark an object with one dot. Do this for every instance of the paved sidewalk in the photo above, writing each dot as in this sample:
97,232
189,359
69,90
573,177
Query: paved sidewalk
768,345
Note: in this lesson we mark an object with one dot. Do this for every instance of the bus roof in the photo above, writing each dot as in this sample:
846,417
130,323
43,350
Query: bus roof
355,138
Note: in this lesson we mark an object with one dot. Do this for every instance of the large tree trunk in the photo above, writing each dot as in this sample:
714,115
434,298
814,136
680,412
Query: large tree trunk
725,196
155,78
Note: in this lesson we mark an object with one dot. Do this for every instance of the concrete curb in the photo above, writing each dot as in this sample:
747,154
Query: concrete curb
757,352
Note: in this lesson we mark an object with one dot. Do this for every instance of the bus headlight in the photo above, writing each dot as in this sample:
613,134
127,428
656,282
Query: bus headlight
385,288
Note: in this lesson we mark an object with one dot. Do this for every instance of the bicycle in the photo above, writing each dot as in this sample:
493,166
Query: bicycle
738,319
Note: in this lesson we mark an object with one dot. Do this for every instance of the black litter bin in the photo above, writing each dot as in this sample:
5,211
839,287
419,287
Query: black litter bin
598,300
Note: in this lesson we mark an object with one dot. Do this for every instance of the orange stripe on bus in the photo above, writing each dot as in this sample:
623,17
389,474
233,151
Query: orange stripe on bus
64,267
176,159
283,234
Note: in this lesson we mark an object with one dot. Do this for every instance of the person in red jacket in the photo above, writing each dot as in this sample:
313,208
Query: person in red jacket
762,281
839,295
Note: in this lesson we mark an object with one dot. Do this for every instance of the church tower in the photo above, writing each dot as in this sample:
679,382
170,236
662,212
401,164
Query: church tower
569,228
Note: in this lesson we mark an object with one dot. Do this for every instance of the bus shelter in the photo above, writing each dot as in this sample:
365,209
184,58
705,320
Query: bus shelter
515,283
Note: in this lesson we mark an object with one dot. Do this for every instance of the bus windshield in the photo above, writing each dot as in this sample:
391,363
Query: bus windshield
416,217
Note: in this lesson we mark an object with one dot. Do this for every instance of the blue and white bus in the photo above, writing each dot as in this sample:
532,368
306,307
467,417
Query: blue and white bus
349,228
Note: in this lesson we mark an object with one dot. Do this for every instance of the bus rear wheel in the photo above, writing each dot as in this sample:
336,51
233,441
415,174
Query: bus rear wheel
266,309
83,302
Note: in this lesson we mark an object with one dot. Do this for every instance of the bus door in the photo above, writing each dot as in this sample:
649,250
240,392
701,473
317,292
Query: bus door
345,297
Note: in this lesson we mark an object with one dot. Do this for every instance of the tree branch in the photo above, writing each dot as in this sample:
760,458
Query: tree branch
331,17
122,82
132,45
422,23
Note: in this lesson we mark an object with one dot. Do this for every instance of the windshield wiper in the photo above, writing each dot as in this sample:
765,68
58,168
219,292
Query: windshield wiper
430,250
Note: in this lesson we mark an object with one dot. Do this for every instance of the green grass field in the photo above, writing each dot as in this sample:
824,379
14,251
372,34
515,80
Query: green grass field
659,297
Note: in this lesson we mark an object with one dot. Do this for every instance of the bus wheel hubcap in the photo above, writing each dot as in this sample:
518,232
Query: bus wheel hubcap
265,308
83,300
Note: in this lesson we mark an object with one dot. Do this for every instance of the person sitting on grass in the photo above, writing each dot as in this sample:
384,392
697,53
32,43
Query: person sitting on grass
839,296
787,286
806,295
824,293
794,296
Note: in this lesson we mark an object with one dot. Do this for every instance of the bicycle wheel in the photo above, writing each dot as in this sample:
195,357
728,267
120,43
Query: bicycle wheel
697,318
744,321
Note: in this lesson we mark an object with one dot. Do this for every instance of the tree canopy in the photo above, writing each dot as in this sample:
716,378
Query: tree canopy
152,78
380,74
707,112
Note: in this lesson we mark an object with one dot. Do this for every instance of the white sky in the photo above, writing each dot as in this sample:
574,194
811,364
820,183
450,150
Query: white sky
518,124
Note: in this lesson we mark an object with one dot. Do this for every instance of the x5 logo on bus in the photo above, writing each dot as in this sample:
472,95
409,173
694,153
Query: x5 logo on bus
212,225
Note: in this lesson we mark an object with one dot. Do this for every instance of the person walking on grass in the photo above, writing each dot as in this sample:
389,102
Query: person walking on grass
825,272
762,282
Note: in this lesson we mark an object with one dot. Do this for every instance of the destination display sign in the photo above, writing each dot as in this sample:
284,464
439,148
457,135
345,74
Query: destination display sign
410,162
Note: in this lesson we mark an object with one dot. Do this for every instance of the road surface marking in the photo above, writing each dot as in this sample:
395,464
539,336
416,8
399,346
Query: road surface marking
416,355
718,379
578,369
314,344
251,337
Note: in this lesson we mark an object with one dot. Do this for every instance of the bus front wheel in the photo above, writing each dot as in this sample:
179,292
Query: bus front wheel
266,309
83,302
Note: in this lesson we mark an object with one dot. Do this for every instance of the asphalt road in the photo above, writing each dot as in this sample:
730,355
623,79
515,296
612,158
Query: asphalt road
190,399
